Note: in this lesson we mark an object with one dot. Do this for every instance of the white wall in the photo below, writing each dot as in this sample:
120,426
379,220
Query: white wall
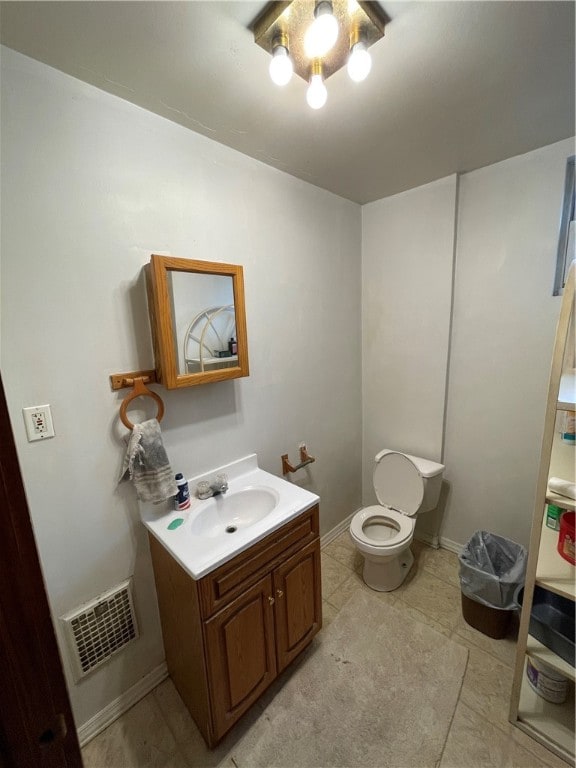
503,331
91,186
407,261
488,430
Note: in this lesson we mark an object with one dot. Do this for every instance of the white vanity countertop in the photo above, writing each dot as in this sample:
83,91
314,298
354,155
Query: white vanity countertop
199,555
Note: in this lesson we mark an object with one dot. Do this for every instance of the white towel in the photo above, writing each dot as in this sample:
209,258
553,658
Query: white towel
147,465
562,487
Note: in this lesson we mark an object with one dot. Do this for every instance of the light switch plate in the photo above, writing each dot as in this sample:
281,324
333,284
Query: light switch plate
38,421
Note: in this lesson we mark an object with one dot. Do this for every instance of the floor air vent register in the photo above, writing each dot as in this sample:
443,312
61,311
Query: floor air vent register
99,629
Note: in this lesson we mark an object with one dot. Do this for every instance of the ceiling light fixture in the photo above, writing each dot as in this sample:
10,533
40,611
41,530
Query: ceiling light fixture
281,66
324,35
359,60
316,94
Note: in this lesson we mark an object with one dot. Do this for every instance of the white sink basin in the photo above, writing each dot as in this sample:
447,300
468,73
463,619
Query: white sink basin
227,514
213,531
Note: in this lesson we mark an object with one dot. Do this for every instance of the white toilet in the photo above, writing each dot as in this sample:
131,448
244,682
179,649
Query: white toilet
405,486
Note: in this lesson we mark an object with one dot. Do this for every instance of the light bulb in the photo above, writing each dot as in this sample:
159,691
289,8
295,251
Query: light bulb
316,94
281,67
323,32
359,62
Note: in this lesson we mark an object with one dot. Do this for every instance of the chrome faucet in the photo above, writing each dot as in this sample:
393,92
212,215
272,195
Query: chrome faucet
220,485
205,489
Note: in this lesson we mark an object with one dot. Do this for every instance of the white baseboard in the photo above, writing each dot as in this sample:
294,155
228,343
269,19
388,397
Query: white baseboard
112,711
342,526
428,538
451,546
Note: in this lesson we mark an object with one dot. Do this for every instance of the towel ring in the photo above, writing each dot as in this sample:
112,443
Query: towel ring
139,391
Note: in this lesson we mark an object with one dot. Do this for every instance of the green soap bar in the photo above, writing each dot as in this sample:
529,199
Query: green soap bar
176,523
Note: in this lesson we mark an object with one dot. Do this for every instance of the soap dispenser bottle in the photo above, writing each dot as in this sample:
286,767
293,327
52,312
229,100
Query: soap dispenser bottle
233,346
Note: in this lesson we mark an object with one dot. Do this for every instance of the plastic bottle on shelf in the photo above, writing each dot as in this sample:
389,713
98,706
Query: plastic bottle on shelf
568,430
182,498
553,513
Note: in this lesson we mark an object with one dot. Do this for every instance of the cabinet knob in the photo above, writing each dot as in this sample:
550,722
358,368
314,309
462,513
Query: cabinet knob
271,600
279,593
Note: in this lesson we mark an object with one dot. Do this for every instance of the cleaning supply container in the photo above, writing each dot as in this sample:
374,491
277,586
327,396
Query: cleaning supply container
567,537
553,513
547,683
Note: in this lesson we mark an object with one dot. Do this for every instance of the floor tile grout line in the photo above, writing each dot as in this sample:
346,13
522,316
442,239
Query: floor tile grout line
167,722
421,616
164,718
453,636
508,734
455,708
458,638
453,630
424,567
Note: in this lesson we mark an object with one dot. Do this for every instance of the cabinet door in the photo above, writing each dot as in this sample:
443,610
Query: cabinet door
298,607
240,654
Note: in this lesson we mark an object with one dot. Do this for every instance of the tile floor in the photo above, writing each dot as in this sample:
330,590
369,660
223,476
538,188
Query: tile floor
159,733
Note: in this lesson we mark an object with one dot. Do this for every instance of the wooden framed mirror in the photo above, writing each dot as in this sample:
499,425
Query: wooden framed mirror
198,321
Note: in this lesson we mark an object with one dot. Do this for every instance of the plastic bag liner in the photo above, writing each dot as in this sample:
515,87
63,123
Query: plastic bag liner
491,569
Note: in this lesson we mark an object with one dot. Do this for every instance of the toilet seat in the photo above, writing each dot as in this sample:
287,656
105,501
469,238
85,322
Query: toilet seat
399,489
372,516
405,486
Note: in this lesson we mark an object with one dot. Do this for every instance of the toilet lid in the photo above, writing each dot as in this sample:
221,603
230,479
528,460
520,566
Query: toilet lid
398,483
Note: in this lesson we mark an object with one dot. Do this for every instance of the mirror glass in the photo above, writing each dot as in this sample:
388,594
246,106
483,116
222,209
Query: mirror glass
204,320
198,319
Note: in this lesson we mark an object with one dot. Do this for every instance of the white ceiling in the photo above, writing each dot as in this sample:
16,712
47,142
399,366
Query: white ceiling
454,85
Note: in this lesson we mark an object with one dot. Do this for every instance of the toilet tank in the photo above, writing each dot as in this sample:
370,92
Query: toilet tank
432,474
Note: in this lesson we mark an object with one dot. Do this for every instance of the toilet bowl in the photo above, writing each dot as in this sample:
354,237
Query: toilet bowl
405,486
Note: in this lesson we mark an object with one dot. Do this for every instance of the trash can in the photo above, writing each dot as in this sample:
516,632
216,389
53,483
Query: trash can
491,570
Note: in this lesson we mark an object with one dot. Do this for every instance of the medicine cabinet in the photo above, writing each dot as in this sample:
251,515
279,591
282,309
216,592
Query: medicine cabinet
198,321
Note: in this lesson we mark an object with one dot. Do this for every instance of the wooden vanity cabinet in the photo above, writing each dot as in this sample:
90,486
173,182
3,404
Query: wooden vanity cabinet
228,635
298,603
240,654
